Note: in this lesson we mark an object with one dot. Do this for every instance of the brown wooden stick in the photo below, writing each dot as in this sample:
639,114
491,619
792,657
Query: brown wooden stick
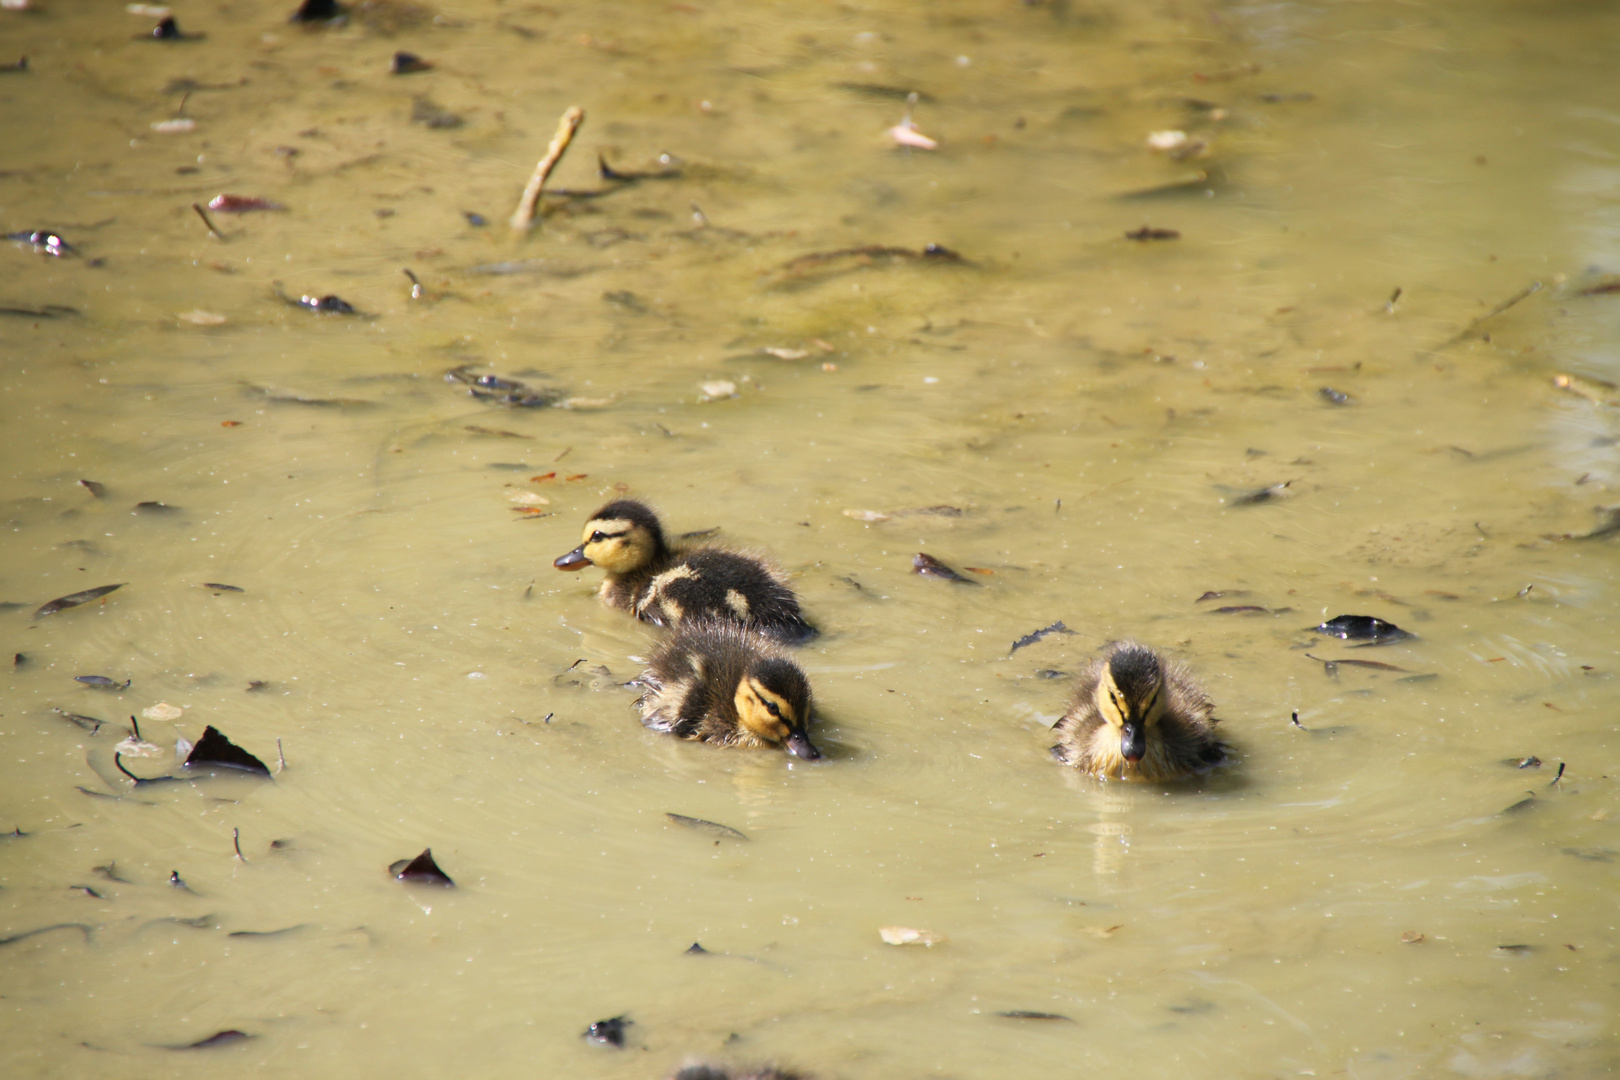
523,216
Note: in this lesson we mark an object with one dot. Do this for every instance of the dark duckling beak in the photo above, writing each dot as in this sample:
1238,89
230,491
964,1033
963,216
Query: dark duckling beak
1132,741
799,745
574,560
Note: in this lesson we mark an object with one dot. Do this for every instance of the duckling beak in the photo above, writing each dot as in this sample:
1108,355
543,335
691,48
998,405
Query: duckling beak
1132,741
574,560
799,745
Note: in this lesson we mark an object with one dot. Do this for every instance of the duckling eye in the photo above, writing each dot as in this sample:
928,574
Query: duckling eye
598,536
770,707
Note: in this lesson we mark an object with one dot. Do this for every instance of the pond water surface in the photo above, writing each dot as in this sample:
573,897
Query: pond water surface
1377,892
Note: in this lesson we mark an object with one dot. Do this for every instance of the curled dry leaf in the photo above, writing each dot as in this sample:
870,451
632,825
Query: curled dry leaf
718,389
908,935
199,317
178,126
162,711
871,517
1411,937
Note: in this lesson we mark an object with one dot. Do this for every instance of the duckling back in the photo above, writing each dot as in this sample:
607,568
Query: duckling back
716,583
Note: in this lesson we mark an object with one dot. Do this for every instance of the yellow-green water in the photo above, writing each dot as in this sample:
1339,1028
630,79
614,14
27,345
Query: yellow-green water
1095,405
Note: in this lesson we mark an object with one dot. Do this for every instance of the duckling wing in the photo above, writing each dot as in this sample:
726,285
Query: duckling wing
713,583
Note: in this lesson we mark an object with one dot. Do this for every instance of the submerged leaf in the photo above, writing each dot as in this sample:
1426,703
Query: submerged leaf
62,603
712,827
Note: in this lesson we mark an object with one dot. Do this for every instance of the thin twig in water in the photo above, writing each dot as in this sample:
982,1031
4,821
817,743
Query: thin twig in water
215,233
1534,286
282,758
236,839
523,216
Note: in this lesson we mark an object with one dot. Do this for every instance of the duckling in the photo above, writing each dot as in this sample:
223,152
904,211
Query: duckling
1137,716
724,683
667,587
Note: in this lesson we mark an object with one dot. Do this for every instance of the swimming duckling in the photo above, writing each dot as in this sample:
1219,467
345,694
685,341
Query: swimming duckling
1137,716
727,684
666,587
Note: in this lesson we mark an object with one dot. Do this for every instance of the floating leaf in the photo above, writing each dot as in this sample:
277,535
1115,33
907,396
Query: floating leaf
162,711
712,827
62,603
215,749
907,935
1027,1014
1361,628
1412,937
1032,638
101,682
609,1032
229,1037
421,870
929,566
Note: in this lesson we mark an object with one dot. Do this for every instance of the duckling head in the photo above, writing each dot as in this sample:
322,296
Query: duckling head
773,702
1131,697
621,538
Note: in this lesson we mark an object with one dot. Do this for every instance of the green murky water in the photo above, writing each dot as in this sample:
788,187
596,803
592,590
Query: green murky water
1096,407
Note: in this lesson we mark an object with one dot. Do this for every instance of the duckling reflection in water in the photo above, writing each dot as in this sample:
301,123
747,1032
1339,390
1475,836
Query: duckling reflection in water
1137,716
666,586
726,684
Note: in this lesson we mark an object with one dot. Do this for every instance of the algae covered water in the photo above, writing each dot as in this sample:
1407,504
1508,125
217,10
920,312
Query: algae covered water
1199,324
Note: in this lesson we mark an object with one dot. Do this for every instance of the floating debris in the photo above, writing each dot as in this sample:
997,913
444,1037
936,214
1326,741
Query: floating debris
241,204
62,603
1030,1014
1412,937
1334,397
421,870
1265,494
1244,609
1372,664
163,711
908,935
1147,232
714,828
717,390
88,723
229,1037
1362,628
1034,636
99,490
405,63
215,749
609,1032
44,242
1533,287
26,934
101,682
218,587
153,506
1524,763
696,949
928,566
905,134
317,11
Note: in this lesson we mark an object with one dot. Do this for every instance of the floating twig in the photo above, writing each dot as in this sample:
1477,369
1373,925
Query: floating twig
524,215
1534,286
212,231
236,841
